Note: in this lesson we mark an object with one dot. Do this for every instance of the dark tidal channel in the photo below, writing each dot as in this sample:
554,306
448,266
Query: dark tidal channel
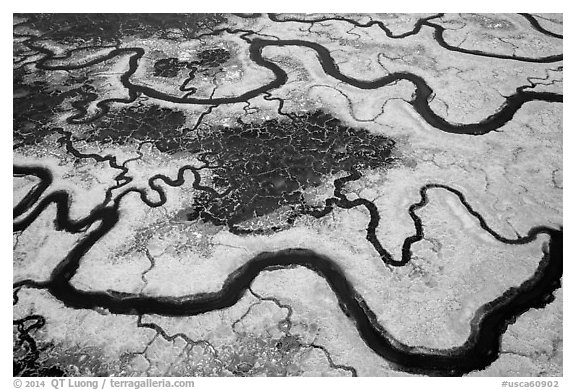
478,352
491,320
420,101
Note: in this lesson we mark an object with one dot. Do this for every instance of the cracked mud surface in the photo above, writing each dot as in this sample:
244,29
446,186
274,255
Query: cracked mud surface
287,195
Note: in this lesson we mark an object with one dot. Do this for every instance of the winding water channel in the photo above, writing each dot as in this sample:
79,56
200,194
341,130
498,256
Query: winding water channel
491,320
480,349
420,102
